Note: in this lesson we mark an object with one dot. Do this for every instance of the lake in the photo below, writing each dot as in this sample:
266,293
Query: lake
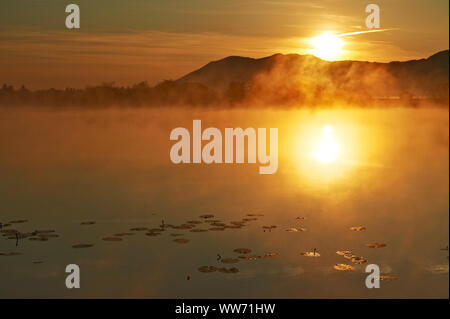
62,168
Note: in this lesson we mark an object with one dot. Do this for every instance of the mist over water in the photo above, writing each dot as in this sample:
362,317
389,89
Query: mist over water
112,166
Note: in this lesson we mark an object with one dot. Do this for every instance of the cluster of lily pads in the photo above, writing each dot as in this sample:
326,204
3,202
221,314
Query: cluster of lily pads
243,254
347,254
9,233
204,223
35,235
358,260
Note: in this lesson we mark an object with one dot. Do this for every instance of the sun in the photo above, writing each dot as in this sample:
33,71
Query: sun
327,151
327,46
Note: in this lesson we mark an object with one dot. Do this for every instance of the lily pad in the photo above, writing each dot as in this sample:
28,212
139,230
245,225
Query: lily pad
294,230
232,226
86,223
358,228
343,252
217,224
271,255
388,278
376,245
206,216
123,234
176,235
82,246
217,229
359,260
48,235
194,222
19,221
237,223
139,229
349,256
343,267
9,231
181,240
249,257
310,254
14,253
207,269
242,250
184,226
198,230
152,234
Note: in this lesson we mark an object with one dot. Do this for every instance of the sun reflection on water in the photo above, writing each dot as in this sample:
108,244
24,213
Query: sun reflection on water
328,150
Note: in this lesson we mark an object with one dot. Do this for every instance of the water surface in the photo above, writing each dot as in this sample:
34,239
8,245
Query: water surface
61,168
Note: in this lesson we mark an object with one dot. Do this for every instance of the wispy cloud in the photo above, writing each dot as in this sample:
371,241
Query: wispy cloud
363,32
76,59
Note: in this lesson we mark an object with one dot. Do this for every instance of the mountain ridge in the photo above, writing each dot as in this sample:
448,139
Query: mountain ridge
409,76
278,80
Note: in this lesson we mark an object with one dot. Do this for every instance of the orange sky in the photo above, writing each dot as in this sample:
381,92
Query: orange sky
132,41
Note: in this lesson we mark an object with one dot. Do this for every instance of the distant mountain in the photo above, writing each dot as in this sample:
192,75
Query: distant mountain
218,74
279,80
307,74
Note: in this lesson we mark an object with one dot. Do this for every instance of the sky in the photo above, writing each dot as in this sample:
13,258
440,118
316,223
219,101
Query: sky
127,42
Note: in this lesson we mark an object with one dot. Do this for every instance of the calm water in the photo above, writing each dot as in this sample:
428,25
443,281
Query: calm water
61,168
